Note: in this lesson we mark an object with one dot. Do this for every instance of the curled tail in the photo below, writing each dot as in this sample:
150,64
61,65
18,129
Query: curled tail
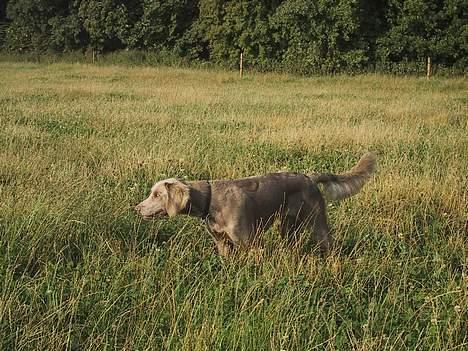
340,186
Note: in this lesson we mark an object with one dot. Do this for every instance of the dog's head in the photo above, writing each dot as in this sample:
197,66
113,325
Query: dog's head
168,197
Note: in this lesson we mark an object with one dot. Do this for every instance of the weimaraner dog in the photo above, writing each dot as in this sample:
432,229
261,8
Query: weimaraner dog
237,211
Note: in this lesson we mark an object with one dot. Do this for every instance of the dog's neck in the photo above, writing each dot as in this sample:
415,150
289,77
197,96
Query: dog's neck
200,198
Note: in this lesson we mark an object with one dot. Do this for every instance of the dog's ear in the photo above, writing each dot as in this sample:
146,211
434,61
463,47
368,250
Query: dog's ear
177,197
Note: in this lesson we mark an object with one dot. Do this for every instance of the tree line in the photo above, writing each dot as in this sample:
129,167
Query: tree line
297,35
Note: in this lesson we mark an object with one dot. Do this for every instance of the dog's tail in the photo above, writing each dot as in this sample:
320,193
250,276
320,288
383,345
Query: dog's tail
340,186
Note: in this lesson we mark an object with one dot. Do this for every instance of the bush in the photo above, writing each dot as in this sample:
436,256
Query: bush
300,36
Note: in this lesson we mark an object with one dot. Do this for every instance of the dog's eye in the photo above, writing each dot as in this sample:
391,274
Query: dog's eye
155,195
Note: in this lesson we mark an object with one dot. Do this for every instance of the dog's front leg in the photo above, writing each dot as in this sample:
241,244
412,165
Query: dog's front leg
224,247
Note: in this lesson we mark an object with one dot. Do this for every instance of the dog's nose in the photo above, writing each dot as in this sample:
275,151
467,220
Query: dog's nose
137,208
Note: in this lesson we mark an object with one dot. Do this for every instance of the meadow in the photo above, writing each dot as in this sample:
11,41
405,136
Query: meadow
81,144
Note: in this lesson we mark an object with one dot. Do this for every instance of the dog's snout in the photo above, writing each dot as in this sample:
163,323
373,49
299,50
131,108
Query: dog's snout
137,207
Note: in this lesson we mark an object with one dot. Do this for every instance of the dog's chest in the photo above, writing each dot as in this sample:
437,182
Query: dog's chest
217,229
214,226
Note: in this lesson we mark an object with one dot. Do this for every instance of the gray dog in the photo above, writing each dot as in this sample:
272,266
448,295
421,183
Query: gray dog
237,211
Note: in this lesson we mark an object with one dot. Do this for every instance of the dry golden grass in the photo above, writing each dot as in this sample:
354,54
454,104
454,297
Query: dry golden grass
79,144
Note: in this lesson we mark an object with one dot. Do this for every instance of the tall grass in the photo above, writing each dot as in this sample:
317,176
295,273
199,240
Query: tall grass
80,144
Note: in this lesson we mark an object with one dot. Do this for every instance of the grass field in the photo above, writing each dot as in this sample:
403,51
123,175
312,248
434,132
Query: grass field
80,144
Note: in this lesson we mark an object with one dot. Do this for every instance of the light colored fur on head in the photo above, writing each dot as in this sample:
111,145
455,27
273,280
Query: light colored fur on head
178,196
169,196
340,186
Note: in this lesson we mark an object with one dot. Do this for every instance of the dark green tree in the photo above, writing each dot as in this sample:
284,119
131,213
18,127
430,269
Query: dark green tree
372,25
229,27
421,28
295,35
109,23
67,32
30,28
163,24
3,6
3,23
319,36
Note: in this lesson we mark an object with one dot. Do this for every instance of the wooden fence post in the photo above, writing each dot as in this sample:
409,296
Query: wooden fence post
241,68
429,67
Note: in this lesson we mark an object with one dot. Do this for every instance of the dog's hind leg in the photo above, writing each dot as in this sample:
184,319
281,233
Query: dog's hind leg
314,217
289,229
321,233
224,247
320,229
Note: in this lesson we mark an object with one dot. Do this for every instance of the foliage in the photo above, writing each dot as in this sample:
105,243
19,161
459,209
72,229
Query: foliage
30,28
106,23
426,28
163,24
320,35
231,27
296,35
67,31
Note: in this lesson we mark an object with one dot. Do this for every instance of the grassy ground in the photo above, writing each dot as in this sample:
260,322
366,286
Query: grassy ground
80,144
